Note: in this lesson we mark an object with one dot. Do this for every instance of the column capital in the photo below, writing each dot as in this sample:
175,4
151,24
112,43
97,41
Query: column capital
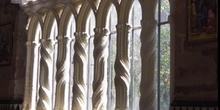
101,31
51,41
63,38
83,35
125,26
32,43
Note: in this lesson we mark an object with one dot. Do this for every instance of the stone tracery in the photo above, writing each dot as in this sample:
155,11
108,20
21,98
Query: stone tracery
81,11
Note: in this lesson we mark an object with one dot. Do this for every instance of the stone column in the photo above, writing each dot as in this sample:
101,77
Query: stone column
62,75
31,76
45,81
148,55
122,67
99,97
80,71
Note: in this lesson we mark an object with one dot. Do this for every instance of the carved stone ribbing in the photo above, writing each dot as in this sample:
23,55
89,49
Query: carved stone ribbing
148,58
62,75
31,74
122,67
80,66
99,97
45,81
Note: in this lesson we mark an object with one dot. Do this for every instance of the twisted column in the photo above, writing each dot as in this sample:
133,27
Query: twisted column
62,75
148,58
99,97
122,67
45,91
31,74
80,70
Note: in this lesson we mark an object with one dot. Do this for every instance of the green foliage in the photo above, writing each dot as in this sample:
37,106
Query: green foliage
136,60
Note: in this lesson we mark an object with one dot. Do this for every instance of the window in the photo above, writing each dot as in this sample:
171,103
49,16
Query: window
98,54
163,50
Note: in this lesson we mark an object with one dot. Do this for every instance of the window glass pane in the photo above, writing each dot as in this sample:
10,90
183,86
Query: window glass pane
91,25
111,72
136,68
53,35
113,19
38,36
90,73
156,68
70,33
165,67
71,28
136,14
165,10
90,70
135,60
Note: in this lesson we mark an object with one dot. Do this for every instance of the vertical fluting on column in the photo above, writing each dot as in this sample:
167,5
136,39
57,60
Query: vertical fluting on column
45,81
62,75
122,67
80,71
99,97
148,56
31,74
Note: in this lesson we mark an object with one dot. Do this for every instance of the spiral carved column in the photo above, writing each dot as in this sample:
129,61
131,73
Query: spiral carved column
122,67
62,75
45,91
99,97
148,99
148,58
80,71
31,74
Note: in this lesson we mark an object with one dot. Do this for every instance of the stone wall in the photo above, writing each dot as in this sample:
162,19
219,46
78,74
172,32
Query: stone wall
12,75
194,63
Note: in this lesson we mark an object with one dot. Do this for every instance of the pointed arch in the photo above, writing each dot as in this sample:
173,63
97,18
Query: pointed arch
64,20
103,13
125,10
35,23
48,23
44,15
82,18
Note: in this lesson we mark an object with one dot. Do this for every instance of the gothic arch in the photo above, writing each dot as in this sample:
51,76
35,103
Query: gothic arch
82,17
50,18
34,21
60,12
64,20
103,13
